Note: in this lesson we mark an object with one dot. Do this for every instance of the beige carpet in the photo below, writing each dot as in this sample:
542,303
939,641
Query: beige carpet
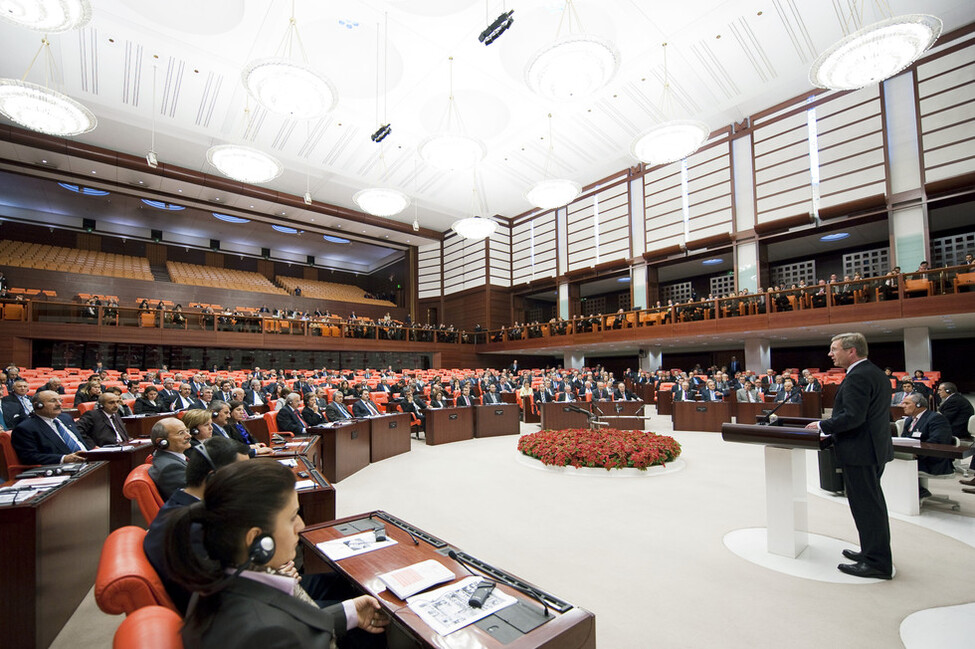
645,555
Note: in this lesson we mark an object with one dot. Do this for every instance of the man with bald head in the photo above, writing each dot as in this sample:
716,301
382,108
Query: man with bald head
103,424
48,436
168,469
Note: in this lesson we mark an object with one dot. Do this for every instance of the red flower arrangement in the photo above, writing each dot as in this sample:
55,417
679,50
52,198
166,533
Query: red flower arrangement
607,448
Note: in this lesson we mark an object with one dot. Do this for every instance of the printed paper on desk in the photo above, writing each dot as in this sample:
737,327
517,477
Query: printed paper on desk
350,546
293,444
305,484
51,481
289,462
416,578
446,609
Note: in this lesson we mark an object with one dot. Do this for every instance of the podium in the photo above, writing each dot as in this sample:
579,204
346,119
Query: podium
345,447
706,416
785,480
665,402
445,425
748,413
121,460
529,416
389,435
622,415
556,415
496,419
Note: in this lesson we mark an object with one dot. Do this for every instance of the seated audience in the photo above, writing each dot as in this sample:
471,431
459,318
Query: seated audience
310,413
365,407
956,409
237,430
149,403
927,426
622,394
89,391
200,425
168,469
47,435
336,410
16,406
104,425
289,418
789,392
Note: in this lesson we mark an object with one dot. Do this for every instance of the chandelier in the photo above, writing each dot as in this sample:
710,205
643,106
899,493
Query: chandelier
551,193
671,140
474,227
243,163
572,67
381,201
48,16
451,148
875,52
40,108
288,87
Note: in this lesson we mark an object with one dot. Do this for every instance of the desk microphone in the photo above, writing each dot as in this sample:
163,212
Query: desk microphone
770,418
531,592
415,540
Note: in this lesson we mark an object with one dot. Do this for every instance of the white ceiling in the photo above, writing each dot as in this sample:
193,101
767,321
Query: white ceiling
726,60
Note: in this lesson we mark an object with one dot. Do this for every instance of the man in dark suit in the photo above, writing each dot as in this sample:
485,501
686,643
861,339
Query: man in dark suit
546,394
168,469
204,399
601,393
491,396
252,395
226,391
169,392
302,386
789,392
336,411
465,399
956,409
16,405
364,407
684,392
48,436
54,385
710,392
289,418
927,426
183,400
622,394
860,428
102,424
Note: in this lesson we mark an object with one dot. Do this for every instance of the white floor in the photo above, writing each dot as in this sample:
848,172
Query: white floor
648,557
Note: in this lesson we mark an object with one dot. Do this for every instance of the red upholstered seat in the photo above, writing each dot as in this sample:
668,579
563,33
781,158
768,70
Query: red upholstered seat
85,406
151,627
271,417
140,488
126,581
12,465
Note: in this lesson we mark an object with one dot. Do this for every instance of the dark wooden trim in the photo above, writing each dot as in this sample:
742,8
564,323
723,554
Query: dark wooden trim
662,253
853,207
953,184
714,241
787,223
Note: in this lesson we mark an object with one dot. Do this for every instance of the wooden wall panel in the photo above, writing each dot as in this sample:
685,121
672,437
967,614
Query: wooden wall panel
533,249
946,96
598,227
664,211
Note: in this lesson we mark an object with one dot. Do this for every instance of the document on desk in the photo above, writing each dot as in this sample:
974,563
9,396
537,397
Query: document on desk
446,609
350,546
45,482
408,581
289,463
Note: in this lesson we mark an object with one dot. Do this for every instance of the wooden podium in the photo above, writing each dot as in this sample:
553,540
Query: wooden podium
665,402
622,415
121,460
389,435
706,416
496,419
748,413
556,415
785,480
345,447
445,425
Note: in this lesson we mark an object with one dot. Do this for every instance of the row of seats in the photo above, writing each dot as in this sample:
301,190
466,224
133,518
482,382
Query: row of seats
73,260
240,280
328,290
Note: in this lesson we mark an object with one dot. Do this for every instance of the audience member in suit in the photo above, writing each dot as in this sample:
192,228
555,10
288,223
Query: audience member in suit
436,401
464,399
200,425
225,393
102,424
169,392
684,392
219,453
48,436
566,395
365,407
622,394
183,401
203,399
87,392
54,385
710,392
302,386
491,396
16,405
336,411
238,395
149,403
813,385
168,469
860,428
898,397
253,395
748,394
123,410
956,409
311,413
220,418
236,429
601,393
789,392
409,403
289,418
546,394
928,426
242,503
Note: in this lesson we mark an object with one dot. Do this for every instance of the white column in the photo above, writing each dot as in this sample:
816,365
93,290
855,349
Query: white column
917,349
564,300
742,174
758,355
909,233
638,283
746,265
573,360
651,358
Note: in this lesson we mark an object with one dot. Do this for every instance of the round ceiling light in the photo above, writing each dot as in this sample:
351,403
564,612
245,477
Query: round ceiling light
333,239
380,201
48,16
226,218
243,163
552,193
162,205
44,110
475,227
876,52
285,87
670,141
84,191
285,229
572,68
450,151
836,236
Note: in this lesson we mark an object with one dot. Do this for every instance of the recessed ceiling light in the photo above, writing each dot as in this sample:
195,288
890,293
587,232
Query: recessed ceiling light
44,162
160,205
86,191
285,229
333,239
836,236
623,279
229,219
711,262
93,171
180,191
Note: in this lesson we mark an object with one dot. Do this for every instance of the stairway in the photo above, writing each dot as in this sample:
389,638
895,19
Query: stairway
159,273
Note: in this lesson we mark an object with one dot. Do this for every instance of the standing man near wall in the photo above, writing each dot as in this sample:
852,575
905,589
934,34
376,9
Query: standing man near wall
860,428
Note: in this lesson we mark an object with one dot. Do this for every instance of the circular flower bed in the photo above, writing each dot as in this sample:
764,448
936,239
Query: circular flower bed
607,448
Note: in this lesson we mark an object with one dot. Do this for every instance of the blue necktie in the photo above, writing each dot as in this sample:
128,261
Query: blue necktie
66,436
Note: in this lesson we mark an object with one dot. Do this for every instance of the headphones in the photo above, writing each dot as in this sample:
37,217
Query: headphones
162,443
261,550
194,431
202,450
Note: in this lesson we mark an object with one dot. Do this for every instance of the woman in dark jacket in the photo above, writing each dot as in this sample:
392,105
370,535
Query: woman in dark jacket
149,403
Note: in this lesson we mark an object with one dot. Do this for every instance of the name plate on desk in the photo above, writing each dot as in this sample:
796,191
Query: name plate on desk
393,424
566,409
355,434
498,411
701,408
452,416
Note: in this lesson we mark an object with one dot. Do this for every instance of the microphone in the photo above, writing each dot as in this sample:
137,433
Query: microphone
770,418
527,590
415,540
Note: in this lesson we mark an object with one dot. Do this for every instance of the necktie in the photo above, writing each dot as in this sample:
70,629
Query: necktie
111,423
371,408
66,435
913,424
25,402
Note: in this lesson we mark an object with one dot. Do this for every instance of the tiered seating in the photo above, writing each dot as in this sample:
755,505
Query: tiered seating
70,260
328,290
220,278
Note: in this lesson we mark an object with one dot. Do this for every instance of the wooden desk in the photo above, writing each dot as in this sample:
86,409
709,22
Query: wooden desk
258,429
573,627
748,413
259,410
665,402
899,480
812,405
497,419
389,435
121,461
645,391
556,415
622,415
51,546
308,446
509,397
445,425
702,415
345,447
139,426
528,416
785,480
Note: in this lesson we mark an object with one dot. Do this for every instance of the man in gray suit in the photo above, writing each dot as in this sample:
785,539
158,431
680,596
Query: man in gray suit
748,393
860,429
168,469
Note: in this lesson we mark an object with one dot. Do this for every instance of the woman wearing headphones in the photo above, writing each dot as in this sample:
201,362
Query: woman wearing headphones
148,403
199,423
250,522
